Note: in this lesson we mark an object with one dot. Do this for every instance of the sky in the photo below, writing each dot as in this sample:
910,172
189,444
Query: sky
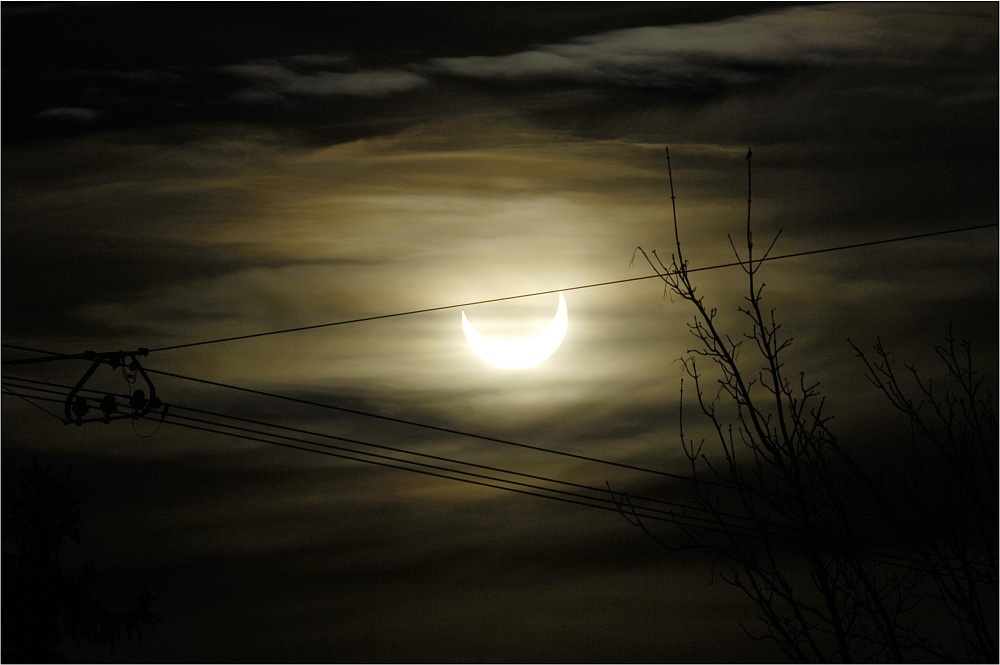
182,173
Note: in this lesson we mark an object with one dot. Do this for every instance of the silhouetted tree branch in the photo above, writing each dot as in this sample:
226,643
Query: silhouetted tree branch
835,567
949,487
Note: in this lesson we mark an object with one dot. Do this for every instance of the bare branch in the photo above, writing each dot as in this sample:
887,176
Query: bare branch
833,581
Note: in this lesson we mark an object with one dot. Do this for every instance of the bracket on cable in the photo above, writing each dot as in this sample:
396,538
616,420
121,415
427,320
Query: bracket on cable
77,408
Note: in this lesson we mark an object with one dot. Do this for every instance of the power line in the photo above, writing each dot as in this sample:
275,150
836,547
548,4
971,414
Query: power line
447,430
292,441
659,275
485,480
541,449
31,384
333,453
28,348
427,310
684,521
413,423
25,384
37,406
457,432
612,504
552,451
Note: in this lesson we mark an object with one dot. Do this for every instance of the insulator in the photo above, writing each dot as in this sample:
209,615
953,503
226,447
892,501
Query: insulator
108,404
138,401
80,408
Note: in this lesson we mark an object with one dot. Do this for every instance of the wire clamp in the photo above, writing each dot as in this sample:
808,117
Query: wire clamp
77,407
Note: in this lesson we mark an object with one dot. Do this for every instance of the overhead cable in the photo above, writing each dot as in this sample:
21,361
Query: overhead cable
49,388
427,310
414,423
757,530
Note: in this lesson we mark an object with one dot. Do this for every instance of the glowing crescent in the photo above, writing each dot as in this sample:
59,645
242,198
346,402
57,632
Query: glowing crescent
518,354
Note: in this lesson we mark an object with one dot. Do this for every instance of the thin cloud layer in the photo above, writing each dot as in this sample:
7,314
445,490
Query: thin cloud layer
741,50
73,113
274,79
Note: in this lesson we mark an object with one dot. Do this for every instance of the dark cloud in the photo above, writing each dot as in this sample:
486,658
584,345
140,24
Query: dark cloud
181,81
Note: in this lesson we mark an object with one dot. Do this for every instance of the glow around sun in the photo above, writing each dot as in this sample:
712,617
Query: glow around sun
519,353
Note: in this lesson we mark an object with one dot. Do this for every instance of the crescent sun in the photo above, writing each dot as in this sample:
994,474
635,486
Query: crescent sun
519,354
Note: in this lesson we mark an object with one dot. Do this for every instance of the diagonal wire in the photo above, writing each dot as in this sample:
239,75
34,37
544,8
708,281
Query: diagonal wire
414,423
613,504
447,430
57,389
717,266
380,459
658,275
37,406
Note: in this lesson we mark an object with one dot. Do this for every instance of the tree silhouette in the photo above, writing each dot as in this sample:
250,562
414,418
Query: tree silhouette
43,603
951,533
843,563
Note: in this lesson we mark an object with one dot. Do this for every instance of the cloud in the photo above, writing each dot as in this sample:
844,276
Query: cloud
273,78
70,113
360,84
741,49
